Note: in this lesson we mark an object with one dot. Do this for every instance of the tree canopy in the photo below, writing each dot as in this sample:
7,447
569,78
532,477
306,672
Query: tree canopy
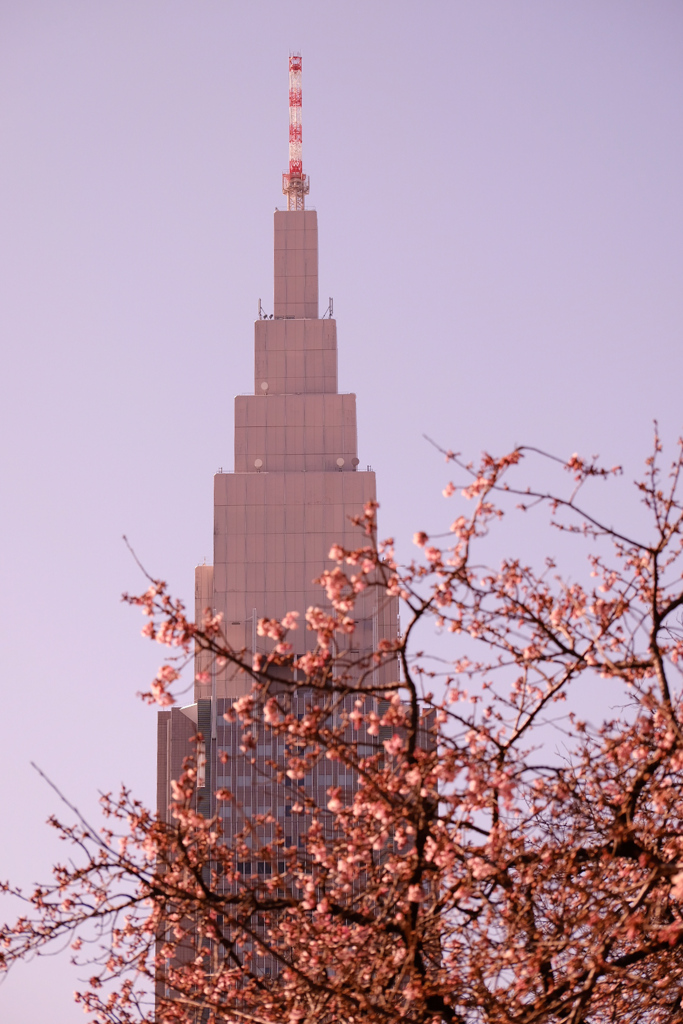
501,855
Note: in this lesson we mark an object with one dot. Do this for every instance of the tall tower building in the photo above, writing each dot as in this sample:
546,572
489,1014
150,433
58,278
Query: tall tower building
295,486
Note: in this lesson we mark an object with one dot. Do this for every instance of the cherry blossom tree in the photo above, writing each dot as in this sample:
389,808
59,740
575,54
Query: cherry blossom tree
503,855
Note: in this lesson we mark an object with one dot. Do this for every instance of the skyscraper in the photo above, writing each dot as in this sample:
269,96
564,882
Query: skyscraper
296,483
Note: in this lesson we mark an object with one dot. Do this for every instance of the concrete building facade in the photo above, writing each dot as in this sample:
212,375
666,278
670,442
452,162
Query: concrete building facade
296,483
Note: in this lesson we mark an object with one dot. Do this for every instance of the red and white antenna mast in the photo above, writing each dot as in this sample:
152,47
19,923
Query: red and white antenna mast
295,185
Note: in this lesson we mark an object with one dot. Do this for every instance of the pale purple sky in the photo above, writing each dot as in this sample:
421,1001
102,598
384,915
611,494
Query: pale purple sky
498,187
